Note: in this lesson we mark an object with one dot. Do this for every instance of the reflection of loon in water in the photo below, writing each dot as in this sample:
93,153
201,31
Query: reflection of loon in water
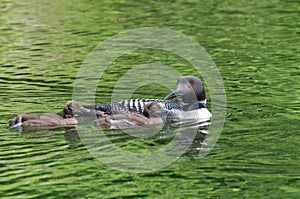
190,138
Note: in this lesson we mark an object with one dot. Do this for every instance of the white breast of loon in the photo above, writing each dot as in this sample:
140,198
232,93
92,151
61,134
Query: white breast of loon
202,114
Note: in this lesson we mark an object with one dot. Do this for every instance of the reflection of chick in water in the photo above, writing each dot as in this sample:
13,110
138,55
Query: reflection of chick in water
50,119
152,115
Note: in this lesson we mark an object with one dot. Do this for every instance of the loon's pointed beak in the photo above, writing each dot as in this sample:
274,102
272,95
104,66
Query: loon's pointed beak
174,94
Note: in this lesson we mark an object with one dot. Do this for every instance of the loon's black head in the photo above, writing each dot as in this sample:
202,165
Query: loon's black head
190,89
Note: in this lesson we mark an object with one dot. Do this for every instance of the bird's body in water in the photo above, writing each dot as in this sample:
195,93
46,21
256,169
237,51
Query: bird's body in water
152,115
189,89
50,119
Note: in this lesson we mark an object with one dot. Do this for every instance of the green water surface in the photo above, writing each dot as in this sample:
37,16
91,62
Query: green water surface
255,45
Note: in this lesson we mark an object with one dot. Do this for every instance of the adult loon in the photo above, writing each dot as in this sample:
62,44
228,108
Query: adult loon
189,88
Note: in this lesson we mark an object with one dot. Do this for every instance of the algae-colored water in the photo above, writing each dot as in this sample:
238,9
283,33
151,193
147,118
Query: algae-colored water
255,45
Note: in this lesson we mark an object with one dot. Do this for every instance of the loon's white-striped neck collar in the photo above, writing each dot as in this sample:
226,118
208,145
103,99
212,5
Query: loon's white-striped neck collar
200,102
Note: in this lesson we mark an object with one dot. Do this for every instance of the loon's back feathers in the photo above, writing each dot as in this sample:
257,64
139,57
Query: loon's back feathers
133,106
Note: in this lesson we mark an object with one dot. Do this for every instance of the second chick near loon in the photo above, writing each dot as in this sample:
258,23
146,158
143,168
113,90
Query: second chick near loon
189,88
